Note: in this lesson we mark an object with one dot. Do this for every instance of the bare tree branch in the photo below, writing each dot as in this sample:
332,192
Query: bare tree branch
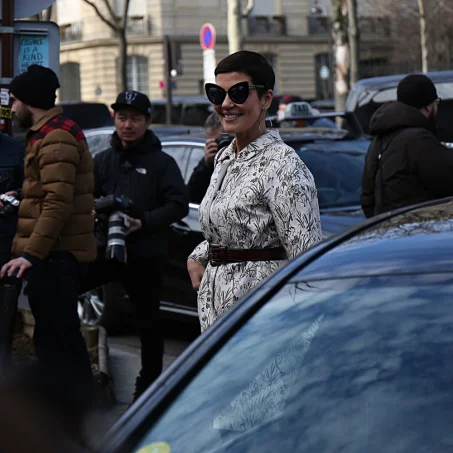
111,11
112,25
248,8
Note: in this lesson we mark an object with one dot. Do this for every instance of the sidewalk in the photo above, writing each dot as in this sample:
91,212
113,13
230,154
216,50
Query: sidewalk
124,365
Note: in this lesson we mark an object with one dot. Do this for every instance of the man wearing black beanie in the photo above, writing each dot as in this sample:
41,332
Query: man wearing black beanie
406,163
55,227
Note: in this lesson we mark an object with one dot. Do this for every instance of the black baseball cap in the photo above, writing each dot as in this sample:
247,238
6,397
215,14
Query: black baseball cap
134,99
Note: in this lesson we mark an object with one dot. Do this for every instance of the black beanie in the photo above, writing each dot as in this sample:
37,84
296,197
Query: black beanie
36,87
416,90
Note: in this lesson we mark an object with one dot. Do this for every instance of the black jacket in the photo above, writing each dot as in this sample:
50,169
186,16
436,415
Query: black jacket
153,181
199,182
12,153
405,164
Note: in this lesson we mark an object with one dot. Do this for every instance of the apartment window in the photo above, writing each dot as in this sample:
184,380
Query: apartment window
137,73
70,82
265,8
324,78
137,8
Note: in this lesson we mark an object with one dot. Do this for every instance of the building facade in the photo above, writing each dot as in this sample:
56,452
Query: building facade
292,34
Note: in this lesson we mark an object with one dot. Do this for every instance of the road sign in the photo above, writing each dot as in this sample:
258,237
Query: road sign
207,37
26,8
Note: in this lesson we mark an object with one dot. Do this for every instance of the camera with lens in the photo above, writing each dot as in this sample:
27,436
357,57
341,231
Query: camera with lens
11,206
116,208
222,142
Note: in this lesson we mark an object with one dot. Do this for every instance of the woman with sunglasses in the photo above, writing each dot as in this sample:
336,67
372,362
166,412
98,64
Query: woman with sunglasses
261,207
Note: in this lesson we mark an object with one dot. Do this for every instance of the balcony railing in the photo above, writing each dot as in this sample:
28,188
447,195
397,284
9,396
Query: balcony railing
137,26
369,26
266,25
71,32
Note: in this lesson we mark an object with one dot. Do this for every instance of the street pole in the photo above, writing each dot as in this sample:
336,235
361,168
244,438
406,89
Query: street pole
167,80
234,26
7,37
354,42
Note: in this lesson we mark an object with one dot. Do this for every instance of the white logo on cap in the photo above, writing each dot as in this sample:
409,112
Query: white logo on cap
130,96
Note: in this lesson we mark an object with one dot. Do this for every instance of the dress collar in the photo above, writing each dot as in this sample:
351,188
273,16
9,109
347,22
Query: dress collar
255,147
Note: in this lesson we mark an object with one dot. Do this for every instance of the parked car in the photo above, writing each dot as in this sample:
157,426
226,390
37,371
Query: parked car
348,348
99,139
334,156
186,110
367,95
88,115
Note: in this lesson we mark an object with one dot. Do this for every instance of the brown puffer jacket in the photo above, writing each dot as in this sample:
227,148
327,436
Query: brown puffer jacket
57,196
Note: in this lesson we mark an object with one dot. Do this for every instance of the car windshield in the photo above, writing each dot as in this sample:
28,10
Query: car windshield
338,175
349,365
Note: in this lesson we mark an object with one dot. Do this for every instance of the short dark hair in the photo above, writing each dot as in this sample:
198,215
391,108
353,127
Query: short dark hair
251,64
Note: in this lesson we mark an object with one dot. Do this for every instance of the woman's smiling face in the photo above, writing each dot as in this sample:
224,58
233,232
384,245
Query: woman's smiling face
239,118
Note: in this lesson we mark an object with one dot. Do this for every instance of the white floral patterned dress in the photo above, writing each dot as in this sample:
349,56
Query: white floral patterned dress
263,198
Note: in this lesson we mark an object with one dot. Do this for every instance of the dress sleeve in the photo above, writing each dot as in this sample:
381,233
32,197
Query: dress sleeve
293,202
200,253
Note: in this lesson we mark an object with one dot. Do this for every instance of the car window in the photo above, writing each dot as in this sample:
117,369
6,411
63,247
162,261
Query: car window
196,154
98,141
338,175
350,365
88,115
180,153
196,114
158,114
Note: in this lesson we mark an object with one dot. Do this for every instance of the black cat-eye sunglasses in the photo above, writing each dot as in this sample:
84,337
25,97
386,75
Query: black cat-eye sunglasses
238,93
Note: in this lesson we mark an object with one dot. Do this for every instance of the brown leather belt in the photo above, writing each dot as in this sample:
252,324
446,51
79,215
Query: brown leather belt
218,255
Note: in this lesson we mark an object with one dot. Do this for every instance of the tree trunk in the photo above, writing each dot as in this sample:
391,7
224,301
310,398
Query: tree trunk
341,56
423,35
354,41
234,26
122,60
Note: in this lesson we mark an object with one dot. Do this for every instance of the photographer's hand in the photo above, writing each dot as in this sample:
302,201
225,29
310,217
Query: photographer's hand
135,225
210,150
12,193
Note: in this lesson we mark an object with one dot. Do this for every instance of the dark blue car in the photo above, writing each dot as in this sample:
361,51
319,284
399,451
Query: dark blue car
348,348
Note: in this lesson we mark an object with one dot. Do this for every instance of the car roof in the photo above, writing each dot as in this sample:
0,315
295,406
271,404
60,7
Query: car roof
416,239
183,100
287,135
177,129
393,80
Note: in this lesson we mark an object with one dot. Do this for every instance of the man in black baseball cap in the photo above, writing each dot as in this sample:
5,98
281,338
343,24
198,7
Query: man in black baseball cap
135,100
136,167
132,117
406,163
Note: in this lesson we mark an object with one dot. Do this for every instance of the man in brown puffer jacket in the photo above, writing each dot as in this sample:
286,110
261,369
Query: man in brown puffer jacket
55,228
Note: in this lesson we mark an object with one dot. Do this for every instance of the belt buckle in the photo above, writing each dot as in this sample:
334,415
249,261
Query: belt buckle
217,254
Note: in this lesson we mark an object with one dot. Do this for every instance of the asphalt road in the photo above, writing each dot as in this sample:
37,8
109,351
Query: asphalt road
124,365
